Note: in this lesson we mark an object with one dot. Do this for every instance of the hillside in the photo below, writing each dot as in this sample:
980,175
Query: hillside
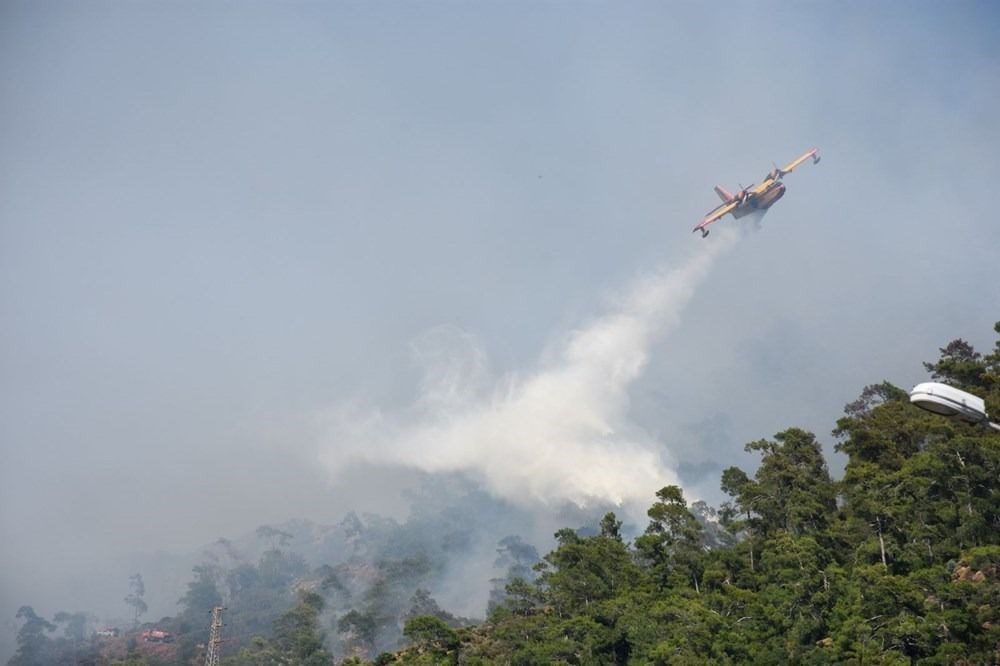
898,562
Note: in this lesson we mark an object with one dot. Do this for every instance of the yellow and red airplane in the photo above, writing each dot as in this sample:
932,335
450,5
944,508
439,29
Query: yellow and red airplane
755,197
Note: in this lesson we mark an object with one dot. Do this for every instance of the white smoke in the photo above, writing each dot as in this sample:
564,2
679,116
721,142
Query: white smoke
558,433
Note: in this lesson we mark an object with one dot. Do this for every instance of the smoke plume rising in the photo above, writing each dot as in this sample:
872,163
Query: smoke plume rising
558,433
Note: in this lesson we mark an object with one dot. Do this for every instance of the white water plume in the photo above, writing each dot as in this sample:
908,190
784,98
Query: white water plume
557,433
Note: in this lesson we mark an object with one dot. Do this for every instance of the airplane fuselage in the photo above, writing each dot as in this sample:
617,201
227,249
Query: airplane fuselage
754,198
762,200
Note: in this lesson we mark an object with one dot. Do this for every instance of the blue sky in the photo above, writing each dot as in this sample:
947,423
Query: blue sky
219,221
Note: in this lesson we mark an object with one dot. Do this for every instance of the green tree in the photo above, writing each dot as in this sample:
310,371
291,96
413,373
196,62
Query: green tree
275,537
134,599
358,631
581,572
422,603
259,652
34,648
671,544
960,365
202,593
196,609
257,594
517,559
882,428
73,647
791,490
297,633
432,634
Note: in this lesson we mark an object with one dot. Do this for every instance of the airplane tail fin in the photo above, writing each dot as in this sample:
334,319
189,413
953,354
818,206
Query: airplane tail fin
723,194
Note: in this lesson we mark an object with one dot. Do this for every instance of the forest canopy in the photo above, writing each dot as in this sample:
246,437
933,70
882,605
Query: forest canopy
897,562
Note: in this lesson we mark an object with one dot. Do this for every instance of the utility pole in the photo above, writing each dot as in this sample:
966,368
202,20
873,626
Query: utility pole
215,638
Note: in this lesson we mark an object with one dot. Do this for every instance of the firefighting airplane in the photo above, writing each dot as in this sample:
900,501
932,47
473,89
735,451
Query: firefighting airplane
753,198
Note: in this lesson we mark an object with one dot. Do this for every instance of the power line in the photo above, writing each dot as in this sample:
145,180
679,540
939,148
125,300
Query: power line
215,638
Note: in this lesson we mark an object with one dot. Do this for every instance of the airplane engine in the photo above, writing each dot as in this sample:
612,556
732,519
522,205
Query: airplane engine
753,198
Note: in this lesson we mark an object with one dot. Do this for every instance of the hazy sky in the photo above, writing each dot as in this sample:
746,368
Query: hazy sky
220,223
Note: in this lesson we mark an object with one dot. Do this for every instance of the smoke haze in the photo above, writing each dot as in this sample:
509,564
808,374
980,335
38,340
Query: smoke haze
218,220
559,432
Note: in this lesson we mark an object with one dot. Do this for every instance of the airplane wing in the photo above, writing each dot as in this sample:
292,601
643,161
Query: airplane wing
715,215
814,154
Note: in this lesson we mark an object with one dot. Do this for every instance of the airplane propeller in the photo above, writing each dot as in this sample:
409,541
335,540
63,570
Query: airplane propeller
768,192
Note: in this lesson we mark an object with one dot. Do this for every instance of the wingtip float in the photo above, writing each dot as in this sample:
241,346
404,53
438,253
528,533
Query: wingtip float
755,197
